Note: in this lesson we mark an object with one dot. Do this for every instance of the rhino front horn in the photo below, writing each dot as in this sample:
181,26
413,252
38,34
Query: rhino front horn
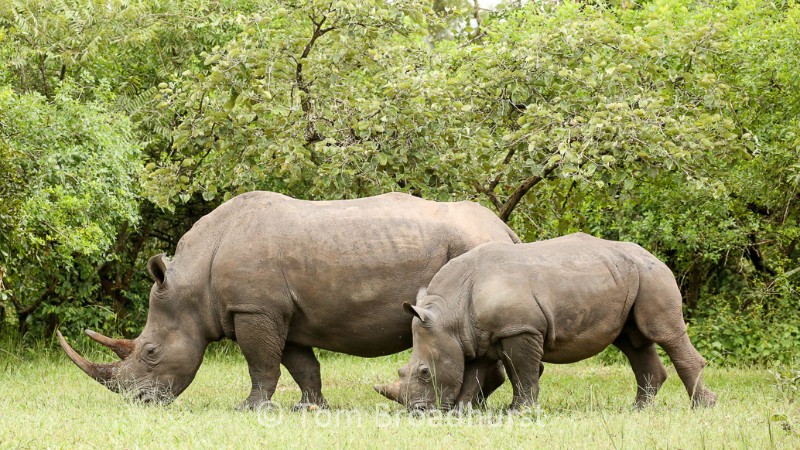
390,391
104,373
122,347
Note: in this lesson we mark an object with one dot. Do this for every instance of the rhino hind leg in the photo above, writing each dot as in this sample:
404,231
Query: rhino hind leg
689,365
658,315
303,366
522,359
647,366
261,339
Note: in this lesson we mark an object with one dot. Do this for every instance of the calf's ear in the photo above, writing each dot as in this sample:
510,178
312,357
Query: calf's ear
424,315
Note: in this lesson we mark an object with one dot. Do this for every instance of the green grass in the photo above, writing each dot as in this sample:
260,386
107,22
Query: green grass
45,401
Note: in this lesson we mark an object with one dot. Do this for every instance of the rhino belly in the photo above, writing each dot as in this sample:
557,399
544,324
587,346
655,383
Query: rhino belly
589,309
379,335
579,309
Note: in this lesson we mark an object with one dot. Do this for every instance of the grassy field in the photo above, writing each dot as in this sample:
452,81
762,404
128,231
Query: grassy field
45,401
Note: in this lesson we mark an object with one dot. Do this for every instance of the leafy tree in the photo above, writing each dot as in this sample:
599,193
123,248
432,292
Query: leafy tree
71,185
114,54
287,104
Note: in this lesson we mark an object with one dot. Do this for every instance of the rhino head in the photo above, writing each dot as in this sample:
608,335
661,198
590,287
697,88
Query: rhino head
434,375
159,364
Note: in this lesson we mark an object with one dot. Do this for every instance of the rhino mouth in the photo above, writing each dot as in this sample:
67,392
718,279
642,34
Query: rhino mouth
150,397
417,406
151,394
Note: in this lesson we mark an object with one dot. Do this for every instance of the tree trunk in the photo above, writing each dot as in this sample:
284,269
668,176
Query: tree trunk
753,252
116,276
691,286
24,311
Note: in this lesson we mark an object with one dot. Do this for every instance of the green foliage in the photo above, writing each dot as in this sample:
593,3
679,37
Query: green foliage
295,97
748,338
71,167
112,55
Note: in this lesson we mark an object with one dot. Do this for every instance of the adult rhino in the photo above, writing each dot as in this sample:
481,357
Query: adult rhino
281,276
559,301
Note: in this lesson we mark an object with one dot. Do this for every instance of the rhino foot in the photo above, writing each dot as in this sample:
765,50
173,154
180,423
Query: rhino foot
704,399
256,405
524,410
308,406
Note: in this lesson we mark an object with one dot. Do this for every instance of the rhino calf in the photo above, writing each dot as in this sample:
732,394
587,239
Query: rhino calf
559,301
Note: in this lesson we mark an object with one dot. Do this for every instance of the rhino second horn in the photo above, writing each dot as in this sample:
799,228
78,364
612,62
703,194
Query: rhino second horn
104,373
122,347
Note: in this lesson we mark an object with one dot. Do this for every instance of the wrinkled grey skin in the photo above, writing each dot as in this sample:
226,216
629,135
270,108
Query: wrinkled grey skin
281,276
559,301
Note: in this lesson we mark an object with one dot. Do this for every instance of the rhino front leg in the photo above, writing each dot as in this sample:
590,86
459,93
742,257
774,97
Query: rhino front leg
522,358
304,368
261,339
482,376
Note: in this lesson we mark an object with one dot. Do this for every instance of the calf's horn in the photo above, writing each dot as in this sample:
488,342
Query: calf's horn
104,373
390,391
122,347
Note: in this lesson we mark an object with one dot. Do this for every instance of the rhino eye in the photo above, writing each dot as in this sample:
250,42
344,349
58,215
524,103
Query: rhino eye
151,354
424,371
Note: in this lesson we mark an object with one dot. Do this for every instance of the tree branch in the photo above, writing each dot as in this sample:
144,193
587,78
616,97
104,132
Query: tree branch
488,191
490,195
514,199
312,135
476,14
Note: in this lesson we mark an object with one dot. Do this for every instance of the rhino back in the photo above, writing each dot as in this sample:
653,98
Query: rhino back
338,270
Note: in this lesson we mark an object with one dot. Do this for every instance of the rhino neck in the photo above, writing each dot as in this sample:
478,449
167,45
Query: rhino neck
200,308
458,320
192,280
214,321
467,333
453,288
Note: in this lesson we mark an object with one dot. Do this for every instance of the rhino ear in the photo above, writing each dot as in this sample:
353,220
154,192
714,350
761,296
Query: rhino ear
157,266
425,316
421,293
